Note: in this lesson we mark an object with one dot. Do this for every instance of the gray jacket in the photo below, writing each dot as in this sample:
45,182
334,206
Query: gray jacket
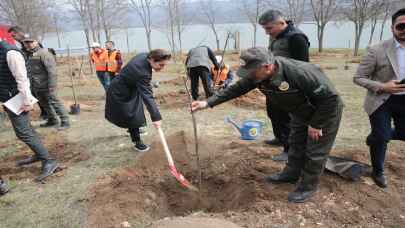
200,56
42,65
378,66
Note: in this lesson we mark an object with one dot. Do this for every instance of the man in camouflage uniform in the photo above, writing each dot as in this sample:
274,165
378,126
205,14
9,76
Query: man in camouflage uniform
44,82
303,90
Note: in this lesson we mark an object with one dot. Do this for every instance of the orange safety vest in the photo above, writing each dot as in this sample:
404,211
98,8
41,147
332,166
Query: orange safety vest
112,65
100,60
222,76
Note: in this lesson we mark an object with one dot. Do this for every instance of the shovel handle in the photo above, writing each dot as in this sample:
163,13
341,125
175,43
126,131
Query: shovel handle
165,147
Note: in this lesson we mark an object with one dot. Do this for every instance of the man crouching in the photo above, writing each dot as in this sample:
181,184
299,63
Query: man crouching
303,90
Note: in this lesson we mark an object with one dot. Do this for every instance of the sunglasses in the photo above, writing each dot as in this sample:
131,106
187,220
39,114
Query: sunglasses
400,27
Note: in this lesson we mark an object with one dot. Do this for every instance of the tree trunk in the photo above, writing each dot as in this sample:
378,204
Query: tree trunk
321,30
373,26
383,26
254,35
148,38
86,33
127,38
359,29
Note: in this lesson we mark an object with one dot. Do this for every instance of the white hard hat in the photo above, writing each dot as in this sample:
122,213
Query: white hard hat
95,45
219,58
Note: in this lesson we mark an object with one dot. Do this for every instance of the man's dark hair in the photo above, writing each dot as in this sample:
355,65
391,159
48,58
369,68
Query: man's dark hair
399,13
15,29
110,41
159,55
270,16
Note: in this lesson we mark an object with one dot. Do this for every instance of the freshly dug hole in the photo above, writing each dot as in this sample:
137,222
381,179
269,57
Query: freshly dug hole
148,191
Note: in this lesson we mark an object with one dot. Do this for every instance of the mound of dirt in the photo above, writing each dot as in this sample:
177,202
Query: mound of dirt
175,99
233,188
253,99
67,154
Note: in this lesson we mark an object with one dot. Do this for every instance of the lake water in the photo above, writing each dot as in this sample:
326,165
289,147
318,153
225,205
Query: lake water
337,35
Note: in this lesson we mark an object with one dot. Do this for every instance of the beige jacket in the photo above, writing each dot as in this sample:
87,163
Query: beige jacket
378,66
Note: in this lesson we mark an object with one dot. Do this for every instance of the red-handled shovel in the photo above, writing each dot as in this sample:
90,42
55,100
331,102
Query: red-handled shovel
183,181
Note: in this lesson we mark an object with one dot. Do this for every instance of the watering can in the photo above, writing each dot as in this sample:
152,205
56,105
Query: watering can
249,130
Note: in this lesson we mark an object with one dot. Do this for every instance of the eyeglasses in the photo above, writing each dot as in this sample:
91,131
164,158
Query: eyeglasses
400,27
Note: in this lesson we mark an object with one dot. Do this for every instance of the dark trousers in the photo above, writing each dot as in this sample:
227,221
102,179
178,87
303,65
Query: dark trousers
280,121
382,131
135,134
195,73
307,157
53,106
25,132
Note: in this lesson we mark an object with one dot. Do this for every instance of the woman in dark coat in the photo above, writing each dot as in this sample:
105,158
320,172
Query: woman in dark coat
131,90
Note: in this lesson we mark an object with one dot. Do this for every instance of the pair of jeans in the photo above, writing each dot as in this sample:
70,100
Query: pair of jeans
382,129
24,131
195,73
280,122
104,78
53,106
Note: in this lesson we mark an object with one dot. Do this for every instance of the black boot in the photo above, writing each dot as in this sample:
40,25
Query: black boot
141,147
50,123
3,188
379,180
27,161
301,194
48,168
285,176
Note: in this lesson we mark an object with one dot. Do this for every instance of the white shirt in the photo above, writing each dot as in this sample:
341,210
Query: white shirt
16,64
401,62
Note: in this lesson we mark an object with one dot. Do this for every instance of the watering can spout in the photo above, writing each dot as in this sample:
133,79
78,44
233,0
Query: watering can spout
229,120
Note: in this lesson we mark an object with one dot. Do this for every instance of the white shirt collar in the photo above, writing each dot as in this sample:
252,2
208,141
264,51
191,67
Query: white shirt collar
397,44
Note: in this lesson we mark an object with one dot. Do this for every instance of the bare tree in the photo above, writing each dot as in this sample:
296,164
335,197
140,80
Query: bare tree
209,17
387,10
252,12
376,12
359,12
295,10
144,10
324,11
31,15
110,14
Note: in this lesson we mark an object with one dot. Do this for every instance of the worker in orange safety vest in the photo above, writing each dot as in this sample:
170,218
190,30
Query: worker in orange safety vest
99,57
114,59
224,77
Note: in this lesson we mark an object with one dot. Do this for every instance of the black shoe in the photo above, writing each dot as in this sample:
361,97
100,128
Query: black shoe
283,156
3,188
281,177
48,168
299,195
50,123
379,180
141,147
273,142
27,161
64,126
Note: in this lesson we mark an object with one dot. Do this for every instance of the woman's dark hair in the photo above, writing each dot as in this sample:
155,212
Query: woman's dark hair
399,13
159,55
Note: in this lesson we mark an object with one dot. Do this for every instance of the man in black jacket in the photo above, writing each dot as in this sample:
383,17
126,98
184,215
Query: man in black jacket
288,41
131,90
